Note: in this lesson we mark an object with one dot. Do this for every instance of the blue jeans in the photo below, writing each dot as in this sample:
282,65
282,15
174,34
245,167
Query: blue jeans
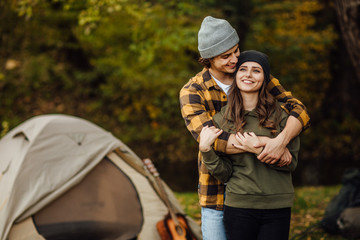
212,225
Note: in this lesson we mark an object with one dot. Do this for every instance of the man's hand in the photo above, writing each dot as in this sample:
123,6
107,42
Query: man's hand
247,141
207,137
274,148
285,159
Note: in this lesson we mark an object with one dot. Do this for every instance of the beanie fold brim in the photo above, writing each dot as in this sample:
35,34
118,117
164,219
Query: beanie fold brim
220,47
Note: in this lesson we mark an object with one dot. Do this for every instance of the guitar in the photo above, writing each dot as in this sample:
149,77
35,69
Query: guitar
174,226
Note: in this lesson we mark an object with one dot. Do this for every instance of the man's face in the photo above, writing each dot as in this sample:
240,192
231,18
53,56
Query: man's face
226,62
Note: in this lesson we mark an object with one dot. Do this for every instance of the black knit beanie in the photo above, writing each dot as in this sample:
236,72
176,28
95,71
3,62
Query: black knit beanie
256,56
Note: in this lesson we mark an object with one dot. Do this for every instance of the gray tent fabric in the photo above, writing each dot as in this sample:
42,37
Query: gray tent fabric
48,155
43,158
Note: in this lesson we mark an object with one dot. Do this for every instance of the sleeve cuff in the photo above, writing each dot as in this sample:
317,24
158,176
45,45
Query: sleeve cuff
221,142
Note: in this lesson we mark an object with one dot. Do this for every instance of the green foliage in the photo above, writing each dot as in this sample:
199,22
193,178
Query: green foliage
121,64
299,53
300,41
309,207
4,128
135,50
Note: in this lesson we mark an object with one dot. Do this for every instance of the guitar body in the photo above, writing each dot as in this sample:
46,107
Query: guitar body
174,226
168,229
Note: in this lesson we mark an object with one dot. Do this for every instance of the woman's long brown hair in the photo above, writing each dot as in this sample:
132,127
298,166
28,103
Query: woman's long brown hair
265,107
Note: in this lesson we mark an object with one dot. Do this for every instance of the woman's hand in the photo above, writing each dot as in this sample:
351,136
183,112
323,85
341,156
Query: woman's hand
207,137
247,141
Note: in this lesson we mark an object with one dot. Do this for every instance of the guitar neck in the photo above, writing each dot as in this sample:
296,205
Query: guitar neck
166,200
150,166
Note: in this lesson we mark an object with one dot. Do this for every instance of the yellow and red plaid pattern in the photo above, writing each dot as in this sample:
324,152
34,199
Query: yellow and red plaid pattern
200,99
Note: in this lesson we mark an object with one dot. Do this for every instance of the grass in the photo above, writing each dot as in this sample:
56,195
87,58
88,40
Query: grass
309,207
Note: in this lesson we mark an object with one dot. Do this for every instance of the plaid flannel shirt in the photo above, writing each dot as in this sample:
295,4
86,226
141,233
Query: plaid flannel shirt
200,99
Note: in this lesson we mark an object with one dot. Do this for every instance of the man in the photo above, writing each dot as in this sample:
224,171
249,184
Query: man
206,93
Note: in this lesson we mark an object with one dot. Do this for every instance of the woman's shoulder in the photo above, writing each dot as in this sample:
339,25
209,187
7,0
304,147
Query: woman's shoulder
220,115
284,113
282,105
220,119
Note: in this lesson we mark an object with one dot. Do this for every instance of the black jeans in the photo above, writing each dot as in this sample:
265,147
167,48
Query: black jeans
257,224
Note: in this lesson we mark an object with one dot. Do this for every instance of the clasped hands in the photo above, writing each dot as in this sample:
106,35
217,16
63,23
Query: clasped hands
249,142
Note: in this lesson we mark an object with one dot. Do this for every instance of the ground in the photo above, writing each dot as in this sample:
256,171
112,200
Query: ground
308,210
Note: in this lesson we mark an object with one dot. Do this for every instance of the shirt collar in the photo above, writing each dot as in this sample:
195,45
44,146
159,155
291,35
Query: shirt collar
208,80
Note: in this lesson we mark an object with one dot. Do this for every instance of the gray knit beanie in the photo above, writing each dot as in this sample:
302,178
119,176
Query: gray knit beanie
215,37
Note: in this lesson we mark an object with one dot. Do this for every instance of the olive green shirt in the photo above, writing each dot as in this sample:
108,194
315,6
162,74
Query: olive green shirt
249,182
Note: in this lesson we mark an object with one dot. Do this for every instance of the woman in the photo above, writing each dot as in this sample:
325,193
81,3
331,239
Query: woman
259,196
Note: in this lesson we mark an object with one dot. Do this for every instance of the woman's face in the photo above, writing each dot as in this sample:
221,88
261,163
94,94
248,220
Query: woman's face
249,77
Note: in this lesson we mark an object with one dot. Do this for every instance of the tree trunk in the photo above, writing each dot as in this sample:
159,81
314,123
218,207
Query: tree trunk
348,12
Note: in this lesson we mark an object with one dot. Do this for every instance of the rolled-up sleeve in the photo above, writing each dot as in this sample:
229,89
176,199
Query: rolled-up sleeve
292,106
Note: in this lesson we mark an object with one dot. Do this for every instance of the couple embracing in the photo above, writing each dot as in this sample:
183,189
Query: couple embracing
247,127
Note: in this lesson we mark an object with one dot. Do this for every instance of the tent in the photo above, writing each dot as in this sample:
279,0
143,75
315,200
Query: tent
63,177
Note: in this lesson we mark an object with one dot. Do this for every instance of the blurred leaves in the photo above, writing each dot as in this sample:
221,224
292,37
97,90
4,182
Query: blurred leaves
5,128
119,64
303,44
122,63
299,52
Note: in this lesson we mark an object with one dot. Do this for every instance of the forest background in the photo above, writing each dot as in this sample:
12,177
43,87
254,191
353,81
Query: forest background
121,64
